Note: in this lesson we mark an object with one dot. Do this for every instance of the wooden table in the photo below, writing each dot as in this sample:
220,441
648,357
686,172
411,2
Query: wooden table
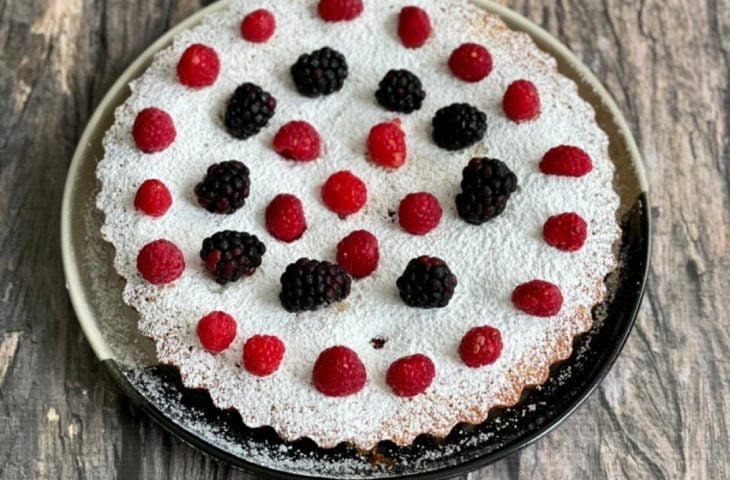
663,411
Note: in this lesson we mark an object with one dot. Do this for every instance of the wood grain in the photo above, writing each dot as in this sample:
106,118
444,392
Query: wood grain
663,412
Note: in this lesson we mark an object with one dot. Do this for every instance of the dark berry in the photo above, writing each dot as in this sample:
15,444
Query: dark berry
358,253
321,72
153,130
566,232
480,346
285,219
471,62
419,213
249,110
521,101
566,160
230,255
539,298
198,67
153,198
427,282
486,186
414,27
298,141
311,284
224,188
400,91
339,10
216,331
344,193
409,376
258,26
262,354
160,262
458,126
338,372
387,144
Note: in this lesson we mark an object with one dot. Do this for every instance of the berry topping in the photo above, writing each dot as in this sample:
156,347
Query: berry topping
258,26
409,376
248,111
338,372
344,193
427,282
153,130
216,331
521,101
358,253
387,144
262,354
400,91
458,126
339,10
539,298
567,161
486,186
153,198
311,284
567,231
160,262
480,346
471,62
225,187
230,255
414,27
198,67
285,218
297,141
321,72
419,213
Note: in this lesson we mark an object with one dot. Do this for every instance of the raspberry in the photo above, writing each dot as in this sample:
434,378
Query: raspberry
567,161
338,372
358,253
339,10
567,231
480,346
521,101
285,218
258,26
458,126
153,198
471,62
198,67
539,298
427,282
414,27
387,144
216,331
297,141
248,111
409,376
311,284
160,262
400,91
230,255
262,354
153,130
344,193
419,213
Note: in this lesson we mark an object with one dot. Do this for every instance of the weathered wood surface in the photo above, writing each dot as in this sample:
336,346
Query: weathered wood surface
663,412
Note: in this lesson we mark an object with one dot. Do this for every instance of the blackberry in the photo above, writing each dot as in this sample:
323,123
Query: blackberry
230,255
225,187
486,186
427,282
311,284
321,72
400,91
248,111
458,126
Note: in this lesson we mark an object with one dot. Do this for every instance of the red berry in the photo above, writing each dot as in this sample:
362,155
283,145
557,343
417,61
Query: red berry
199,66
258,26
567,231
409,376
338,372
216,331
480,346
539,298
297,141
153,198
419,213
471,62
414,26
262,354
521,101
160,262
339,10
285,219
567,161
387,144
344,193
153,130
358,253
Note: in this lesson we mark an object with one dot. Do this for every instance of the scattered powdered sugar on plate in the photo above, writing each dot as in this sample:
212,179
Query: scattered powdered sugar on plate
489,260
